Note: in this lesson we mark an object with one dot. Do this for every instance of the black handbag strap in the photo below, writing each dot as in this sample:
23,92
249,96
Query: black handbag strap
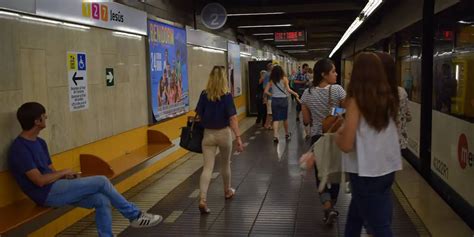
280,88
329,101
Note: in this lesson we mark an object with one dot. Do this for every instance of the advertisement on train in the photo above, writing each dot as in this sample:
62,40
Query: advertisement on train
168,70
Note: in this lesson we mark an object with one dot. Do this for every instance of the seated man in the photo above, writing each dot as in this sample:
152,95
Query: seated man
31,166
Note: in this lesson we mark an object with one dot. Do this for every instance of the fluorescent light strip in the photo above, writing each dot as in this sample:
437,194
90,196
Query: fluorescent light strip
211,50
264,26
296,51
320,49
9,13
122,34
76,26
262,34
256,14
268,39
245,53
32,18
367,11
290,46
466,22
42,20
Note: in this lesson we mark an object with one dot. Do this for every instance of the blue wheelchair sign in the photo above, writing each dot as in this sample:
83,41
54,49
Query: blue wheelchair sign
81,61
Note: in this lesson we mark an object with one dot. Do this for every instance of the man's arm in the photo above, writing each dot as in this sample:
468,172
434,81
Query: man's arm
44,179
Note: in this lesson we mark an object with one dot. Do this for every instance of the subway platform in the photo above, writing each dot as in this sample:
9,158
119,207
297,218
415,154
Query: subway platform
274,197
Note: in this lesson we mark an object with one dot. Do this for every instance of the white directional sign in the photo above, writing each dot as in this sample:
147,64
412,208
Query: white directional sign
77,77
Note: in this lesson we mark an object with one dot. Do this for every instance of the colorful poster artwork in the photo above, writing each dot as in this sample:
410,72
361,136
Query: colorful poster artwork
233,69
168,70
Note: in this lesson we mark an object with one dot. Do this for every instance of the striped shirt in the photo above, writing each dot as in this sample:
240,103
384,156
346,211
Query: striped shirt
317,99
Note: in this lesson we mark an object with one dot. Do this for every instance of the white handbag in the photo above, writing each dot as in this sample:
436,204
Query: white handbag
328,161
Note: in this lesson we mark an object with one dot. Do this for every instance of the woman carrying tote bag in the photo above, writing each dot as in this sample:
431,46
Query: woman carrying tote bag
316,104
218,116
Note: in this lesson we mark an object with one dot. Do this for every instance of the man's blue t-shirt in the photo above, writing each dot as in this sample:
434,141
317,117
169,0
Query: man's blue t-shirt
300,77
24,156
216,114
266,80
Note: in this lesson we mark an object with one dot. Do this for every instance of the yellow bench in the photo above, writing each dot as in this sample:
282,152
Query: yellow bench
29,216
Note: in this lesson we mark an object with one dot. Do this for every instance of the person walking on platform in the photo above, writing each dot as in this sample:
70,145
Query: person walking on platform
300,84
218,116
261,106
315,106
280,88
369,140
267,100
32,168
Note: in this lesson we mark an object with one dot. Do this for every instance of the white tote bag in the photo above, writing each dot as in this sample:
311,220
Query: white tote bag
328,161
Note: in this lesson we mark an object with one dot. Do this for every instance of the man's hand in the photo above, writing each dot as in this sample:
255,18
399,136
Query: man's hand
73,176
69,174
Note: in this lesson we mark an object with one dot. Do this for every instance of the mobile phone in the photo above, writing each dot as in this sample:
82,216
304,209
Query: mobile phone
337,111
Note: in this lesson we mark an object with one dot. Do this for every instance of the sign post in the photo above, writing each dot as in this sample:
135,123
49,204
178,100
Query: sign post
77,77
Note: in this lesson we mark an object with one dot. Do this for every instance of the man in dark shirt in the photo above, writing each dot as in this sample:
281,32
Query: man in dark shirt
31,166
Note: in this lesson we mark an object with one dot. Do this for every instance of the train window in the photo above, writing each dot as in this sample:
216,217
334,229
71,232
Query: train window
453,68
409,56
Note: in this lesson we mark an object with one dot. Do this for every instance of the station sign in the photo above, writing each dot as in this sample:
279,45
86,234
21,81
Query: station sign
77,77
99,13
290,36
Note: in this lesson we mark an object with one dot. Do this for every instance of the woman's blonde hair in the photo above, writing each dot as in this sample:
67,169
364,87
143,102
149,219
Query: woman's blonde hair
217,84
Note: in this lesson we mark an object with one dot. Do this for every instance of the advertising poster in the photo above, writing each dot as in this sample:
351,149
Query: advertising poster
168,70
233,68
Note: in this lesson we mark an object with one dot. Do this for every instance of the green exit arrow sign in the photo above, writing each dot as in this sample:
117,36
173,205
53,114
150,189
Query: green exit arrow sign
109,77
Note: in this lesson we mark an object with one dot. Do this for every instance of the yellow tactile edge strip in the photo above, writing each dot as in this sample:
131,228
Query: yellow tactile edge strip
414,218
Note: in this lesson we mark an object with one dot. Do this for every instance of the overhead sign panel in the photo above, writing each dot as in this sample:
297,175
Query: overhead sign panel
105,14
290,36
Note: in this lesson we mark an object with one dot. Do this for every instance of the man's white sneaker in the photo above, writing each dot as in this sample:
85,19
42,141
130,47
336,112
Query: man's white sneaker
146,220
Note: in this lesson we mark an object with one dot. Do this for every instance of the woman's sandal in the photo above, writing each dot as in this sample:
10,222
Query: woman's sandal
288,136
275,140
203,207
229,193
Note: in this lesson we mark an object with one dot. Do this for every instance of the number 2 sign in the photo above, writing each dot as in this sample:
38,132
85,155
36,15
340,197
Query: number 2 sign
214,16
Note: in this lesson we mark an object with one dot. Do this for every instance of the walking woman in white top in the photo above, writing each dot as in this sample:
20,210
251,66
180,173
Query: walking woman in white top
369,139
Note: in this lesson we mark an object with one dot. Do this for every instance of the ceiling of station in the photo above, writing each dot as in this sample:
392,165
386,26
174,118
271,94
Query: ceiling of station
324,22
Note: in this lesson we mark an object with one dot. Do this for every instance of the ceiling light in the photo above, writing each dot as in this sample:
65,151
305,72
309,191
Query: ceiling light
31,18
256,14
320,49
296,51
122,34
9,13
268,39
262,34
366,12
465,22
76,26
290,45
245,54
264,26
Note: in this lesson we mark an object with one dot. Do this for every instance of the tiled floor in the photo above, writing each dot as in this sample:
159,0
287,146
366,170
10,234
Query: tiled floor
273,198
